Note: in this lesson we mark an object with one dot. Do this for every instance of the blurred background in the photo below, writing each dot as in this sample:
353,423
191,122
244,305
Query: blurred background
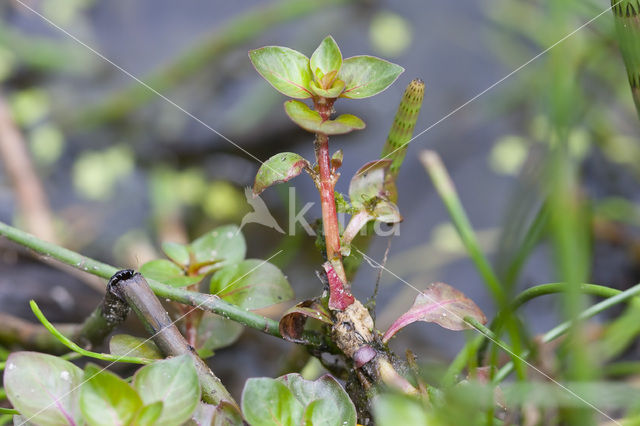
95,161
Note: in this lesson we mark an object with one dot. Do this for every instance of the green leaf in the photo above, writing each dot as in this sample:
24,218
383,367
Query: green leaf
268,402
173,381
326,58
338,408
224,245
285,69
126,345
311,121
392,410
179,253
278,169
319,412
251,284
43,388
369,183
215,332
303,116
345,123
367,76
148,415
106,399
168,273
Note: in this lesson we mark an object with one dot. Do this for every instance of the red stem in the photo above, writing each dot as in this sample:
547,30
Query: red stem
327,185
329,215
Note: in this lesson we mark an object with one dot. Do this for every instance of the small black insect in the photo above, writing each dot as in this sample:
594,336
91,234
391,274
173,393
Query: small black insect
123,274
114,281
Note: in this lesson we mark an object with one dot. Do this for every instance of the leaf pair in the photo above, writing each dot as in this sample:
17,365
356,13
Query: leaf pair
52,391
312,122
326,74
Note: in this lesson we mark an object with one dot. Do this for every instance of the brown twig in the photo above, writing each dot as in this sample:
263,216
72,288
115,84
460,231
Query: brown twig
32,200
18,332
91,333
134,289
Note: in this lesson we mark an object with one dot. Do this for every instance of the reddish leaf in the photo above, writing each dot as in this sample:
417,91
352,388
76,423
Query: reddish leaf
442,304
339,297
293,321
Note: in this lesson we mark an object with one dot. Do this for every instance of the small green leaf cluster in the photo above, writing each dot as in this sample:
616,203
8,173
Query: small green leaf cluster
50,391
323,78
292,400
326,74
246,283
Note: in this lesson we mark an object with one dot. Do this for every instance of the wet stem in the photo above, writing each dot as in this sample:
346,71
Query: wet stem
192,316
327,184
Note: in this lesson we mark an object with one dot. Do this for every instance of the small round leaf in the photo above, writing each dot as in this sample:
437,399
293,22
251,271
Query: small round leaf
268,402
179,253
167,272
174,382
223,246
251,284
215,332
338,408
106,399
